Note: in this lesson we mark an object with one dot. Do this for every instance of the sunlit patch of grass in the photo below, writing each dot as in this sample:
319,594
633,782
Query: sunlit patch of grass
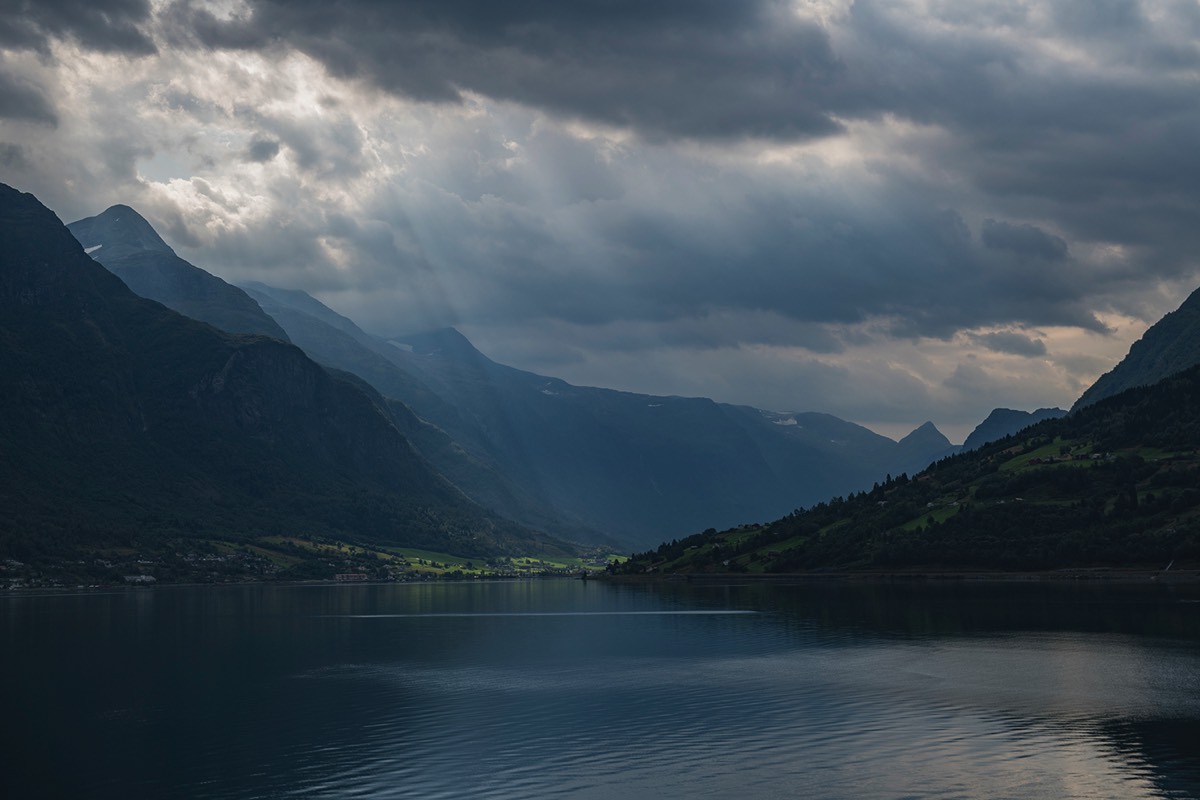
939,514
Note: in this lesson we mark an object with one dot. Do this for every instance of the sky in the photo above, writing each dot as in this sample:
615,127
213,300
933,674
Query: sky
888,210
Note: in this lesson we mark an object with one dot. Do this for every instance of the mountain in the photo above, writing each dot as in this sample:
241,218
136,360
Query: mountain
1171,345
124,242
635,466
590,464
1005,422
921,447
459,451
126,425
1113,486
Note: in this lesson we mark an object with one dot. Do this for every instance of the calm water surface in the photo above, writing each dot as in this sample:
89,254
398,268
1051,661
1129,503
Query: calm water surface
587,690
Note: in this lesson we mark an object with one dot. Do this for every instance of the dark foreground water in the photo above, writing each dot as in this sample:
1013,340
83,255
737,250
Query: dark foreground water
587,690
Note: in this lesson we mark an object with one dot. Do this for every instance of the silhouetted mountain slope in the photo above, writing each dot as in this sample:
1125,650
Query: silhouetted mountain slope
1171,345
1116,484
124,242
124,422
1006,421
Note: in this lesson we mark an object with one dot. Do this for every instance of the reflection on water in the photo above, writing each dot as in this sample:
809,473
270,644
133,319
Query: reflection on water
587,690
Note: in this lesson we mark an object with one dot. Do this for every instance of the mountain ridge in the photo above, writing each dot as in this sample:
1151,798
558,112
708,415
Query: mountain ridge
126,424
490,408
1169,346
128,246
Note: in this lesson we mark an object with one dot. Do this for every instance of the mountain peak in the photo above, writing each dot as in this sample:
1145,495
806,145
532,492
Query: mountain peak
117,232
926,432
127,245
923,446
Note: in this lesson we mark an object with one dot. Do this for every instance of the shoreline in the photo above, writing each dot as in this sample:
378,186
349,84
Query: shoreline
1064,575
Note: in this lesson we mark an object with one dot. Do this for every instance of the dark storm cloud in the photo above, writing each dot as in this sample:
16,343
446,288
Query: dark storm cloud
695,68
1016,344
729,245
1023,239
963,166
109,26
22,101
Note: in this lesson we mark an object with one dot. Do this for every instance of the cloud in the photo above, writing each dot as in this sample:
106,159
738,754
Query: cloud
22,101
1024,240
109,26
828,205
705,69
11,156
261,150
1010,342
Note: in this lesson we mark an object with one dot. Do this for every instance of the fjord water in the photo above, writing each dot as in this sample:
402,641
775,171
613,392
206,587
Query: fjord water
591,690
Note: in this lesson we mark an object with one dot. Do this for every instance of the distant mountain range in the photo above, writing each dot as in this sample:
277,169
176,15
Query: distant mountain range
125,420
590,464
125,424
635,466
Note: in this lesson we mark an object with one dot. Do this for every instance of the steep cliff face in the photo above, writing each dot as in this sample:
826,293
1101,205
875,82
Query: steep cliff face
122,418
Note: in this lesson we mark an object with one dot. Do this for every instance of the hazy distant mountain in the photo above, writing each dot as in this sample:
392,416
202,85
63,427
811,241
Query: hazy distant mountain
1171,345
123,422
1005,422
924,445
637,466
124,242
459,451
650,467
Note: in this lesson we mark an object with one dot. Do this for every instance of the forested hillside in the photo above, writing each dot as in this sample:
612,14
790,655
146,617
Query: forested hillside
1115,485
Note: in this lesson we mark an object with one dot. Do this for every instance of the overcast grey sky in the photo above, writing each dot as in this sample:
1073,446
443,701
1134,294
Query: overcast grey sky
889,211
